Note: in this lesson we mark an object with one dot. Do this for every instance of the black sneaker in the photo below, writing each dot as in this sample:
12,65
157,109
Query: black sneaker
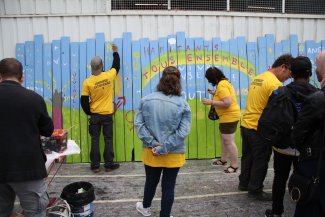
242,188
95,170
269,213
261,196
111,167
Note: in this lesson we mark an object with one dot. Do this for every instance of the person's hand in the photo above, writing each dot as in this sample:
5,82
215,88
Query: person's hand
210,91
206,101
114,47
154,150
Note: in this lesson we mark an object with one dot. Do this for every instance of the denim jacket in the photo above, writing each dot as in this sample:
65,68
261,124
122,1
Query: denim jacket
165,120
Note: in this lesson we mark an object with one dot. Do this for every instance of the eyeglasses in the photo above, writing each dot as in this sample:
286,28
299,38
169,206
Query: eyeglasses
287,67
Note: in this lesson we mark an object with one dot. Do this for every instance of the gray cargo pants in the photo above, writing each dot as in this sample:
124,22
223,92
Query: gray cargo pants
32,195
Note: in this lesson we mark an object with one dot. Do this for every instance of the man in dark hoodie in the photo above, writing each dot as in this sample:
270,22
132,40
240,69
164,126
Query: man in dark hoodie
308,136
298,90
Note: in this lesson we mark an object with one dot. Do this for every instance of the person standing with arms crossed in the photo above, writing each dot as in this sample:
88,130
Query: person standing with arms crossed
97,101
256,152
23,119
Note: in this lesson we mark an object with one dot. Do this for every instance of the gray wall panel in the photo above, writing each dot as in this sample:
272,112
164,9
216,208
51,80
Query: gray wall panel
27,7
43,6
102,24
9,35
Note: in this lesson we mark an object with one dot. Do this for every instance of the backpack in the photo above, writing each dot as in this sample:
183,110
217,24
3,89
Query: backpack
278,118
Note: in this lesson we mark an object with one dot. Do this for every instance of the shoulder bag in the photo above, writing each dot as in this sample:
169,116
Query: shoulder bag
303,190
213,114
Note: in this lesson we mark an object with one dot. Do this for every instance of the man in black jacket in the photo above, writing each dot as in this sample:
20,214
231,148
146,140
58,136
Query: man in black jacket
308,136
284,154
97,101
24,119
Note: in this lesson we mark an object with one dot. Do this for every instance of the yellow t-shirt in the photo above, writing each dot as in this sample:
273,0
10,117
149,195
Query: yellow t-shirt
232,113
260,90
100,90
171,160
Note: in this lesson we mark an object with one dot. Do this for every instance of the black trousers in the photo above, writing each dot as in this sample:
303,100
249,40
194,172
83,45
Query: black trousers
256,153
167,187
282,166
96,122
314,208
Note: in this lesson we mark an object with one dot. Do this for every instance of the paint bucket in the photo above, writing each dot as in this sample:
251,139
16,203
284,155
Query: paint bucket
80,196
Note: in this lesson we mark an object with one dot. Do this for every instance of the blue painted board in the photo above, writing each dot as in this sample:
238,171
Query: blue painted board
39,87
145,66
262,63
75,107
163,54
243,72
293,45
217,53
128,94
47,73
269,50
136,80
210,125
191,97
29,65
154,64
172,50
20,55
65,68
225,58
100,45
84,136
252,58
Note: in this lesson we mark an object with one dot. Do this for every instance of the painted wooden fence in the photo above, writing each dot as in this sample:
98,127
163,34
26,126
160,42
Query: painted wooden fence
57,70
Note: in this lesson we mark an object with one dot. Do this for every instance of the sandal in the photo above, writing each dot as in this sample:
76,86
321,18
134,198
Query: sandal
231,169
218,163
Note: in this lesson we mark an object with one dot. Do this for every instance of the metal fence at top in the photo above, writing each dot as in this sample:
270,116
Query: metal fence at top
266,6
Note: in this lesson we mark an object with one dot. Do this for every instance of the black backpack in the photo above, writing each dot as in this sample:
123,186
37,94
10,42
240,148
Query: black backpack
278,118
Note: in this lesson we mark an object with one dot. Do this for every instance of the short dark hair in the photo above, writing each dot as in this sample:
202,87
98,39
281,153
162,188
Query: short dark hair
11,67
214,75
301,67
285,59
170,83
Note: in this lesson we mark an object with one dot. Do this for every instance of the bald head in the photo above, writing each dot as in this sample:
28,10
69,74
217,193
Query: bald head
320,66
96,65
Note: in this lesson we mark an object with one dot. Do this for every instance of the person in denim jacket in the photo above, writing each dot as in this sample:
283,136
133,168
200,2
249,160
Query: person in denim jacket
162,124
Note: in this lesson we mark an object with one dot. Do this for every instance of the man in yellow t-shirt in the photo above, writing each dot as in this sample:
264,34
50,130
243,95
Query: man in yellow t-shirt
255,152
97,101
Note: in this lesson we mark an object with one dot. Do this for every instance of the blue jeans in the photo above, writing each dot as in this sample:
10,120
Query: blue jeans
32,196
96,122
167,187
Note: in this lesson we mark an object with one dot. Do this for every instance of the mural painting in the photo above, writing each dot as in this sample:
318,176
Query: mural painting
57,70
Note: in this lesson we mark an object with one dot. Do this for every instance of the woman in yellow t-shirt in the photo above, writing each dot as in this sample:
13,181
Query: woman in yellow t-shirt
225,103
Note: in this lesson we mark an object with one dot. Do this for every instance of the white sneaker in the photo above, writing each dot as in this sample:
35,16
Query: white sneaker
143,211
287,151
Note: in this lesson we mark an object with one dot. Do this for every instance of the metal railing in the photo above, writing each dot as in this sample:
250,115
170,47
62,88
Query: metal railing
266,6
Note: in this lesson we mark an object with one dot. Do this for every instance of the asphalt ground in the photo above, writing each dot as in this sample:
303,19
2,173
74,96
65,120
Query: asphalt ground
201,190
